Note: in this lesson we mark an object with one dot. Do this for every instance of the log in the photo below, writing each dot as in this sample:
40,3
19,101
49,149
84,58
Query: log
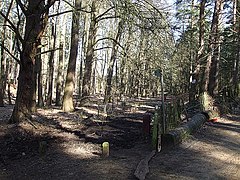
176,136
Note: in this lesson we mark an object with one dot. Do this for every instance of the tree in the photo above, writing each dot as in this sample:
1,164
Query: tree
38,71
51,64
235,76
196,72
90,51
212,66
59,76
69,84
36,13
112,62
2,59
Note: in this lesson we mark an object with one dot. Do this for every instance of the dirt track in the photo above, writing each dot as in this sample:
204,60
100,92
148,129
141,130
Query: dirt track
212,153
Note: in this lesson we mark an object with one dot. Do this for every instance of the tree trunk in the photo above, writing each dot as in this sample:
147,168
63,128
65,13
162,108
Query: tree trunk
90,52
82,59
235,77
122,75
59,76
93,87
69,84
108,89
39,78
36,20
51,66
2,60
196,71
212,59
214,69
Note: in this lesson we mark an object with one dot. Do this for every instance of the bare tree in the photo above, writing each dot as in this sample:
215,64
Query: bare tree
90,51
36,13
2,60
70,79
112,62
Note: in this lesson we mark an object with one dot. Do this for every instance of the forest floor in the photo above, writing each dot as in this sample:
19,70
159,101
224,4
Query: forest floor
58,145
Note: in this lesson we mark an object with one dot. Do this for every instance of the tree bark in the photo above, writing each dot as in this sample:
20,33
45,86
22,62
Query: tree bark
82,59
36,20
68,105
2,60
59,76
38,72
176,136
214,69
235,77
108,88
51,66
90,52
196,71
211,70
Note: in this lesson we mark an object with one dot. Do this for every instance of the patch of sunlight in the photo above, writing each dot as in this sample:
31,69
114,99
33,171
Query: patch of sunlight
94,112
217,152
100,121
82,151
94,105
66,124
135,105
146,106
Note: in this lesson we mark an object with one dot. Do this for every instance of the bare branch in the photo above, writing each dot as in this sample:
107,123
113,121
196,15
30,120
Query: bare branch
109,38
51,2
8,11
101,15
58,14
19,2
49,51
18,25
14,28
69,11
108,17
150,4
6,49
107,47
68,3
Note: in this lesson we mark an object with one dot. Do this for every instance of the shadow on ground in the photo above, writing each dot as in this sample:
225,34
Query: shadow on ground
72,148
212,153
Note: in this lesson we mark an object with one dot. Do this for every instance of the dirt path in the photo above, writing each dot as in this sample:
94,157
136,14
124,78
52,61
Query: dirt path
212,153
74,151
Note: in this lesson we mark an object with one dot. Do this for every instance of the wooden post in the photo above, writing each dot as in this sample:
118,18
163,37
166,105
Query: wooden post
159,143
155,128
146,124
105,149
163,105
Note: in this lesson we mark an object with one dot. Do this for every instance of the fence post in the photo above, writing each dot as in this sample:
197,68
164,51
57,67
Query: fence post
156,120
146,124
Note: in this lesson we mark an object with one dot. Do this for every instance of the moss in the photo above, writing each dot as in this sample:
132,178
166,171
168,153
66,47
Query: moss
208,105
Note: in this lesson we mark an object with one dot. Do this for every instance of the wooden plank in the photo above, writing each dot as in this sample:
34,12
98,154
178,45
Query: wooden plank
143,168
